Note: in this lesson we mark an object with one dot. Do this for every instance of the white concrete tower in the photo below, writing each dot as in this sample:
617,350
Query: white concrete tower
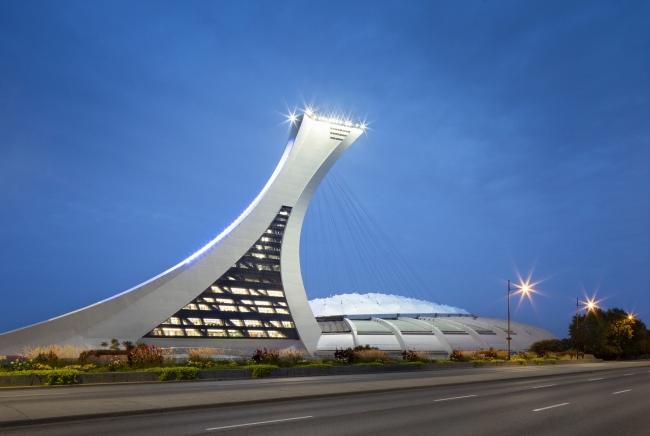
243,290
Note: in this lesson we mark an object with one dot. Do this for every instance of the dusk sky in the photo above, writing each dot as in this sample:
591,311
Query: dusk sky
503,136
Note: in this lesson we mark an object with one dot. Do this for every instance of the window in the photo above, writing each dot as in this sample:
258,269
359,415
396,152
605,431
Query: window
281,303
243,309
259,255
195,321
192,332
247,301
235,334
173,320
237,322
284,311
216,289
224,300
239,291
275,293
208,299
212,321
219,333
190,307
257,333
262,303
276,323
204,307
274,334
157,332
253,323
173,332
227,308
266,310
287,324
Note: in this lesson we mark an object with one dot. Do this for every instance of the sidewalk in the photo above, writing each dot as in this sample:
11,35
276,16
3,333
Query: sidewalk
65,403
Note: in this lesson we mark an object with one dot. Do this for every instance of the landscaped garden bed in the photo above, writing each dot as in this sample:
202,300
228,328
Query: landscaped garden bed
148,363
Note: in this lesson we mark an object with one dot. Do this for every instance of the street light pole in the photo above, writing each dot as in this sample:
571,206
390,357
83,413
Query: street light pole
577,326
508,320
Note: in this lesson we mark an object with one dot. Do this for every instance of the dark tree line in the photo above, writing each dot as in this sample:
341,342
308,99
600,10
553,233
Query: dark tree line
610,334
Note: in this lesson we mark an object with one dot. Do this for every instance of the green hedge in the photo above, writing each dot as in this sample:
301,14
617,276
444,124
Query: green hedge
164,373
54,376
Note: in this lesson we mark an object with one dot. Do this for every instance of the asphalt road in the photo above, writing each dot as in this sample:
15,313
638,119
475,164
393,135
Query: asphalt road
601,403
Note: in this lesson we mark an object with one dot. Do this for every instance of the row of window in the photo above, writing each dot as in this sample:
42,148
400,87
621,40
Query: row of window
340,130
244,291
218,333
233,308
338,139
174,320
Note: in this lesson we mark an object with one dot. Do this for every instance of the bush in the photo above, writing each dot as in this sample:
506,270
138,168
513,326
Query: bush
266,356
345,356
54,376
142,356
415,356
457,356
165,373
370,355
49,357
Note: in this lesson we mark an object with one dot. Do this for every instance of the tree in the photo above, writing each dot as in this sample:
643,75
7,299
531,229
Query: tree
610,334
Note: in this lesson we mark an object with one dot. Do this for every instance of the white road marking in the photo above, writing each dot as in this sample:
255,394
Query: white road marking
256,423
594,379
545,386
620,392
550,407
35,395
454,398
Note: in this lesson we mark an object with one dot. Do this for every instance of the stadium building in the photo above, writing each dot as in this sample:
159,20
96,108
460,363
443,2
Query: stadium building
244,289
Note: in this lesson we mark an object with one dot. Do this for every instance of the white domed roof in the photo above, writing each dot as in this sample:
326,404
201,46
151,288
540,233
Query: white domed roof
374,304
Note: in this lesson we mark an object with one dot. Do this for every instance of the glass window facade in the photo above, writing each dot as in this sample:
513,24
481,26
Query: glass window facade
248,301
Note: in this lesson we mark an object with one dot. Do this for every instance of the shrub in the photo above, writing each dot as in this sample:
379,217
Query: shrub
291,358
144,356
115,365
48,357
165,373
370,355
347,355
457,356
61,351
491,354
266,356
54,376
415,356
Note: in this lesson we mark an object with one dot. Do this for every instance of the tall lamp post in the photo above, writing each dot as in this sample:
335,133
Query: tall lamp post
589,305
511,287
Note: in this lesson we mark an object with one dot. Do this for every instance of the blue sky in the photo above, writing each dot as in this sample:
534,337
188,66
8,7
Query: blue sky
504,135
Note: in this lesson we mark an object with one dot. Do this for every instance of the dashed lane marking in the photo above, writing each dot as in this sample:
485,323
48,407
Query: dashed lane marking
550,407
620,392
545,386
454,398
257,423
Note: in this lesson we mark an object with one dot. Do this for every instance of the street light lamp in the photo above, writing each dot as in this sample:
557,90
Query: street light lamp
524,289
